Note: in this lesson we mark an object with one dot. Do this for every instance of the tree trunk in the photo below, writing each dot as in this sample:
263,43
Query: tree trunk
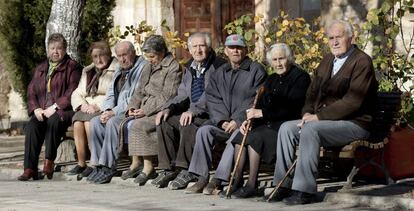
5,89
65,18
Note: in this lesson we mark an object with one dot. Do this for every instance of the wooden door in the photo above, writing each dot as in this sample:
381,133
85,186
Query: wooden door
208,16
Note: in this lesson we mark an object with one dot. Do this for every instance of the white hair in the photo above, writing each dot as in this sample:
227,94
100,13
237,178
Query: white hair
204,35
131,47
277,47
347,26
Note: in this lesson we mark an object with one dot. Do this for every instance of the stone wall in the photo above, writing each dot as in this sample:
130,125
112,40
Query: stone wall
132,12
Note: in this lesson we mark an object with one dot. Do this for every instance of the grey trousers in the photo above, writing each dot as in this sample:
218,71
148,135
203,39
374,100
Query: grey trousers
225,166
310,138
104,141
207,136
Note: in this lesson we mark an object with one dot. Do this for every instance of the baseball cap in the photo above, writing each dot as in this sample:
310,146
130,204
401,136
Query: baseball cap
235,39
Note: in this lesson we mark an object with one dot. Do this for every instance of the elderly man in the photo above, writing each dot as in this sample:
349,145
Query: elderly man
231,90
184,114
104,128
337,110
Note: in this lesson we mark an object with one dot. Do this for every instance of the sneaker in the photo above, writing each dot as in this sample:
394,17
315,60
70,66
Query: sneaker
213,187
93,174
131,173
142,178
105,176
182,180
164,178
85,173
76,170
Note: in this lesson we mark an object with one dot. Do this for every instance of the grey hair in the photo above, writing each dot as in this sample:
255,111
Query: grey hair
57,37
155,44
280,46
347,26
131,47
204,35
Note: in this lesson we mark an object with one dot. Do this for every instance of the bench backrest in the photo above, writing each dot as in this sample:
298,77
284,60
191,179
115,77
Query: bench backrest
385,115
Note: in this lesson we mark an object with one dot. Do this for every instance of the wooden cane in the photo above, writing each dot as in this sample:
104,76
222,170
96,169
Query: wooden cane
281,181
259,92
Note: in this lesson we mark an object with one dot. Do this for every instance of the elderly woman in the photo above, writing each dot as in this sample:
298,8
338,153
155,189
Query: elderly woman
159,82
282,100
87,99
49,108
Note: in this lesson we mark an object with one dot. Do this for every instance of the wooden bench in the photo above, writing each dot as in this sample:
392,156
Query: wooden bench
372,148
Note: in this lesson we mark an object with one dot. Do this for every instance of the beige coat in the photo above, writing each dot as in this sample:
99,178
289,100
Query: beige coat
79,96
157,85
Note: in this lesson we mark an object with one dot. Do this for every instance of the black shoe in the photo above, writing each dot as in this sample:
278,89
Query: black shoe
223,194
164,178
85,173
244,192
280,195
76,170
131,173
299,198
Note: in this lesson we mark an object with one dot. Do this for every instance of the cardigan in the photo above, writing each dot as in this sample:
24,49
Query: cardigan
348,95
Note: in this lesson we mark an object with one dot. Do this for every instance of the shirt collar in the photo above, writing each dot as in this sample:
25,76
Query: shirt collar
346,54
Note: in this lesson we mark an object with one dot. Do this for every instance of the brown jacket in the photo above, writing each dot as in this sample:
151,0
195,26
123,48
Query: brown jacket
348,95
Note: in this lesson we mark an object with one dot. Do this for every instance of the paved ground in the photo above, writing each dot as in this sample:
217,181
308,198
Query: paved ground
61,194
65,193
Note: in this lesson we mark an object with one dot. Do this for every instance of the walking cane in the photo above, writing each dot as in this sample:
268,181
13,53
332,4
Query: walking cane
281,181
248,127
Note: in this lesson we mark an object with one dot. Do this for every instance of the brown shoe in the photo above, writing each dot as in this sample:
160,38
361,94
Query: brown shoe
48,168
197,187
212,188
28,174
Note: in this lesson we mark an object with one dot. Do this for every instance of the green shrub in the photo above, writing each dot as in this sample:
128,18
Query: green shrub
23,30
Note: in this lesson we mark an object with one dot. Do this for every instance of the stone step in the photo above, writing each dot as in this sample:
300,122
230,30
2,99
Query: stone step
11,141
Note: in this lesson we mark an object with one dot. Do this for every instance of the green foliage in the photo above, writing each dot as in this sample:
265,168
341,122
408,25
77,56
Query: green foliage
23,30
306,40
16,41
36,12
143,30
395,68
382,28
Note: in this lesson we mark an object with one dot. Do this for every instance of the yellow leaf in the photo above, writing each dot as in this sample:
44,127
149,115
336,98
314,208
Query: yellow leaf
279,33
257,19
268,40
285,23
301,19
298,23
187,34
